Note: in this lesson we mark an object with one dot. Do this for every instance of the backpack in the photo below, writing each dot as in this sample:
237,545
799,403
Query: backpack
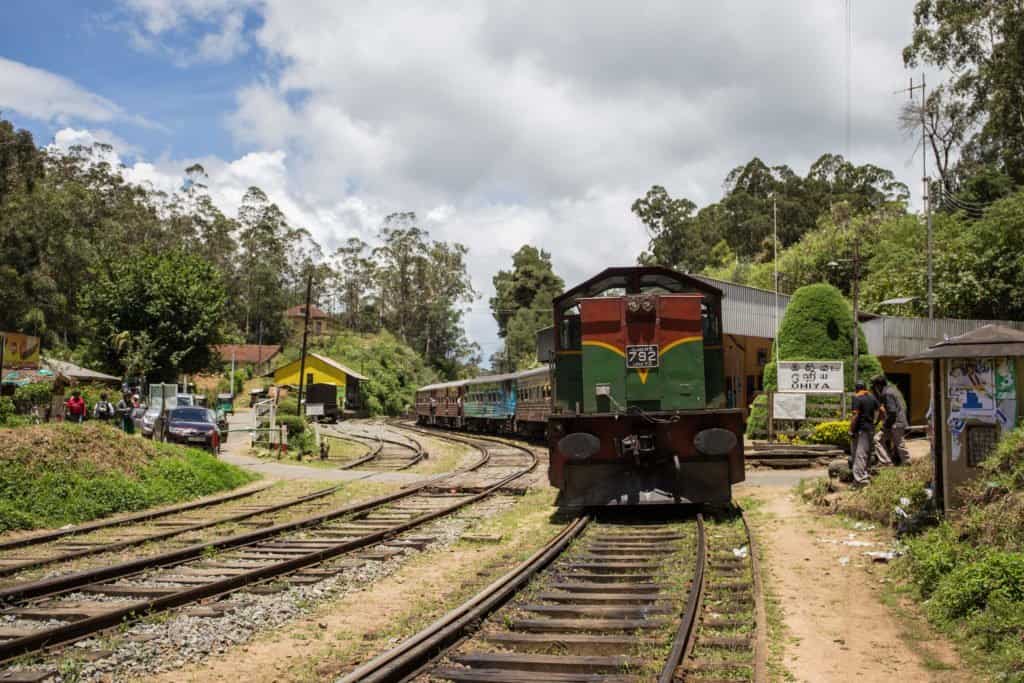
104,410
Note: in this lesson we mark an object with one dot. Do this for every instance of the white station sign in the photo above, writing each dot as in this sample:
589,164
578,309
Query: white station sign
811,376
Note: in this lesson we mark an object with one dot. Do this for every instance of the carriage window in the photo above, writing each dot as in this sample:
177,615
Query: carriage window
711,323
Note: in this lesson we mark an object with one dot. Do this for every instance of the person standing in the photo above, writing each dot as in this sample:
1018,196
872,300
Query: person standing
862,428
75,407
124,411
890,444
104,410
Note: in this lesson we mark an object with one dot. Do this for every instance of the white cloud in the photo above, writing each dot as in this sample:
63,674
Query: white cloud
40,94
510,122
189,31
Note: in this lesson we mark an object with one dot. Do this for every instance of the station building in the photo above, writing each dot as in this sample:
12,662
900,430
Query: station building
322,370
749,316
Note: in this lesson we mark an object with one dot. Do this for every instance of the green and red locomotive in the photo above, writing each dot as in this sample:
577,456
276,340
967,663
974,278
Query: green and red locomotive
632,402
638,413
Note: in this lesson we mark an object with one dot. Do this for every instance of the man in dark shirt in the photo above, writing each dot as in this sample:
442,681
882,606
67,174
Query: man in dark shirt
862,429
890,439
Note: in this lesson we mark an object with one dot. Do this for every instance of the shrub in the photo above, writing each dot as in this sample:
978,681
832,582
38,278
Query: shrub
288,406
933,555
6,409
892,484
32,395
296,425
970,587
836,433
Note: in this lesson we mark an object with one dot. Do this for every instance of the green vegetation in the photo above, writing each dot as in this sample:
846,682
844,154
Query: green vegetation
57,474
522,305
835,433
394,370
818,325
970,569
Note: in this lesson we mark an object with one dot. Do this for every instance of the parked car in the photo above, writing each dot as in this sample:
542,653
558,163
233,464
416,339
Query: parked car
193,426
148,421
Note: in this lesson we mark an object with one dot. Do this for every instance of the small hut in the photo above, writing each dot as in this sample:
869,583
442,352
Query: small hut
977,396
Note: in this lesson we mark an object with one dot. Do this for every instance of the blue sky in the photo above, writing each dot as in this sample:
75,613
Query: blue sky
498,123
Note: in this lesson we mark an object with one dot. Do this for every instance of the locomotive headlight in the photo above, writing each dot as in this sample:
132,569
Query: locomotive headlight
647,305
633,305
715,441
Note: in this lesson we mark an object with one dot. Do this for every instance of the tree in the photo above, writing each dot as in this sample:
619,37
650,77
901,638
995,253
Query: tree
744,219
163,311
522,305
981,42
980,274
263,238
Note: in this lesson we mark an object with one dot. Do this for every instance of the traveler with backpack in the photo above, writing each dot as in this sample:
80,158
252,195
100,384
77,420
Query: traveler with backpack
104,410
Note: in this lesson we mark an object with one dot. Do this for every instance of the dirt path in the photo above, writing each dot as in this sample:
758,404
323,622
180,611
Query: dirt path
837,627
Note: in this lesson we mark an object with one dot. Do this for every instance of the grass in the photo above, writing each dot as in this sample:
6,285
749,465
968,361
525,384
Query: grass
57,474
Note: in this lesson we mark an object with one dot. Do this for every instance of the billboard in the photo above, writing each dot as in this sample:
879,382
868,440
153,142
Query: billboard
20,350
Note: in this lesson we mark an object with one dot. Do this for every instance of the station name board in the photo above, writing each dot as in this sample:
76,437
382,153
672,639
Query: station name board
811,377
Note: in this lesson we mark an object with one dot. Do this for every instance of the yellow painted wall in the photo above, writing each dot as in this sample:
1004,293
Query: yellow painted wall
322,373
741,362
920,386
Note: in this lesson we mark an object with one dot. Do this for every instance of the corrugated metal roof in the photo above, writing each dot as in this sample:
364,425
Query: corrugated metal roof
485,379
895,336
747,311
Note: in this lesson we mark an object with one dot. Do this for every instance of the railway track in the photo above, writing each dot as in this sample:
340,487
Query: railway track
393,452
107,538
617,601
43,615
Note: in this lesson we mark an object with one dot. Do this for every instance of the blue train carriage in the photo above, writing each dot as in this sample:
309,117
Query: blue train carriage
533,401
490,403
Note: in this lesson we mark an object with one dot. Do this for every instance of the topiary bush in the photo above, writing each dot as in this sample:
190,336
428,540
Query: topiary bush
296,425
817,325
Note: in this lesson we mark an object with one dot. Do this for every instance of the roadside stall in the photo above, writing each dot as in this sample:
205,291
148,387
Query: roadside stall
977,396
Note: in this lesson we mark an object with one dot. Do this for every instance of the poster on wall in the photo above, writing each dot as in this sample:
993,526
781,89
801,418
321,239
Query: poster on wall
21,351
972,387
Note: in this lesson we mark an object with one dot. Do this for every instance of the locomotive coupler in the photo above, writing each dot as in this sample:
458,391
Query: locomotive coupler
639,447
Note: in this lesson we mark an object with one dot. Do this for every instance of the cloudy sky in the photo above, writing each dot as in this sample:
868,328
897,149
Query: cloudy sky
499,123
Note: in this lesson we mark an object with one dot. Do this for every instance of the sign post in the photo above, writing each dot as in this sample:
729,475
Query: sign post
797,379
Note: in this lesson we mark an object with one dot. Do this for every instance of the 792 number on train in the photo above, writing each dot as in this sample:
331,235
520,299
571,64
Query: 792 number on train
642,356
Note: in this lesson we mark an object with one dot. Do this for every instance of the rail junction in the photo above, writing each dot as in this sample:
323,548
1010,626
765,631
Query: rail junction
39,617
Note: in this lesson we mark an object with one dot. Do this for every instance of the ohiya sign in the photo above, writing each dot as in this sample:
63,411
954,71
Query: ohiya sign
811,377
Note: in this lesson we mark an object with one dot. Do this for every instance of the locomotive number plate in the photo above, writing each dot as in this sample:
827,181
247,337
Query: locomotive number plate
642,356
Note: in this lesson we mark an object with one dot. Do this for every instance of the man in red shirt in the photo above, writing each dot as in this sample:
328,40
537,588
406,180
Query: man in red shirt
75,407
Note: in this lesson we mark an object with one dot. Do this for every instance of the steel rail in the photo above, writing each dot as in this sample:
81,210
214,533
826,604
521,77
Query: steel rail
686,634
370,454
70,581
416,447
45,537
79,629
113,546
413,653
760,611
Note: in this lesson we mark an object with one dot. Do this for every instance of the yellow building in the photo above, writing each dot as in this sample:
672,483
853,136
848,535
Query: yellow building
322,370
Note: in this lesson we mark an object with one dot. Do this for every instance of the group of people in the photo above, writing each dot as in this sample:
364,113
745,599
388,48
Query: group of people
76,409
882,406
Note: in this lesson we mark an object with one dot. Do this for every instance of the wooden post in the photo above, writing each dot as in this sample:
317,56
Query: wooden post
842,404
771,416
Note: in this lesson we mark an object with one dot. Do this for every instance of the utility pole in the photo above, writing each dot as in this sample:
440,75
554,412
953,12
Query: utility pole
856,309
305,336
775,258
926,205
